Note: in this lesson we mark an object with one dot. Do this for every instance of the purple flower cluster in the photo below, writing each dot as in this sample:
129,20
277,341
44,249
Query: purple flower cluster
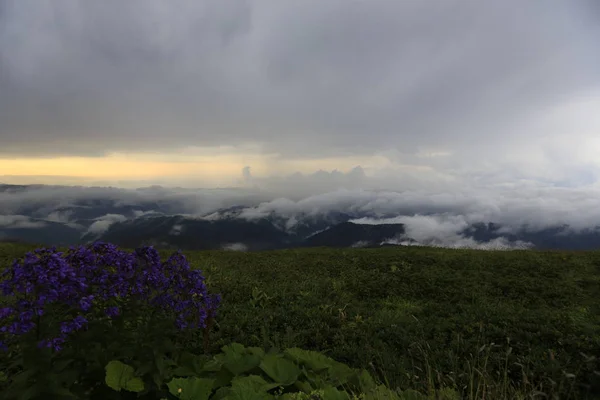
99,277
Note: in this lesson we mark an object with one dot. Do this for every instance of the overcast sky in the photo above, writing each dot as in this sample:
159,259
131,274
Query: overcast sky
436,93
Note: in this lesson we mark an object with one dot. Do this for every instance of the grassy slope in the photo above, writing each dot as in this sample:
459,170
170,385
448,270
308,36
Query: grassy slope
419,316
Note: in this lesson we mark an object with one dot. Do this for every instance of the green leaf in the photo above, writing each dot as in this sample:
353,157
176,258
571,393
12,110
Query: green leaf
159,362
315,379
221,393
193,388
257,351
312,359
331,393
257,382
233,348
304,387
120,376
365,381
339,373
184,371
246,363
223,378
191,364
135,385
214,365
237,360
280,369
251,387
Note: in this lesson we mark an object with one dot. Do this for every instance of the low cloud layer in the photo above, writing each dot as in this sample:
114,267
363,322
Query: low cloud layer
101,224
431,218
235,247
441,230
19,222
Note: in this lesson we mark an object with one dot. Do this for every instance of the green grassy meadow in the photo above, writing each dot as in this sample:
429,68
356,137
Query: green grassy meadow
490,324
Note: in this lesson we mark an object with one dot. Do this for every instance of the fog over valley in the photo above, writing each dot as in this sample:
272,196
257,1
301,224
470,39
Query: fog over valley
251,219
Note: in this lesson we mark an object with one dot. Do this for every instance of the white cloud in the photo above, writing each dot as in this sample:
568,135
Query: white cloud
176,230
465,243
431,215
235,247
102,224
20,222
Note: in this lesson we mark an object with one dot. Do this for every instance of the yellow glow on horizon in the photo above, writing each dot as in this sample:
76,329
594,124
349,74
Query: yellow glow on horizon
218,168
121,167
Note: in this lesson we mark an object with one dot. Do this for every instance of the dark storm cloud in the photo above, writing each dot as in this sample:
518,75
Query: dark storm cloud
305,79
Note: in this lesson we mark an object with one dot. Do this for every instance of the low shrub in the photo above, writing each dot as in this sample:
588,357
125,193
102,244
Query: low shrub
64,316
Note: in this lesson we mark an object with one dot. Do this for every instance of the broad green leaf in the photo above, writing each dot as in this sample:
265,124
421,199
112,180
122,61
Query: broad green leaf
241,365
215,364
304,387
221,393
339,373
120,376
316,380
331,393
193,388
248,388
191,364
234,348
184,371
237,360
280,369
159,362
363,381
257,351
223,378
289,396
312,359
135,385
257,382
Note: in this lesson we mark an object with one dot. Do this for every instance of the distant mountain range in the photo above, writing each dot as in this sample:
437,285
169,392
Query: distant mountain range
162,224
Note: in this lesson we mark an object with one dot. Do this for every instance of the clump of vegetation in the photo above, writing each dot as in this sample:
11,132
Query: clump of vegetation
66,315
395,323
251,373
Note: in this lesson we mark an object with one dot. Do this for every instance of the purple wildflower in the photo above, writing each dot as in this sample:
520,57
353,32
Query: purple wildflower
112,312
95,274
6,312
55,344
86,302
